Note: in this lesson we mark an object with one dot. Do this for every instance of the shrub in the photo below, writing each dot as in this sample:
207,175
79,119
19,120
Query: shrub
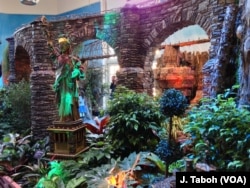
15,106
172,103
220,134
168,152
134,121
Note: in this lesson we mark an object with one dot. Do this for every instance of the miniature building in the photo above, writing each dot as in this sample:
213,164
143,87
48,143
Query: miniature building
67,139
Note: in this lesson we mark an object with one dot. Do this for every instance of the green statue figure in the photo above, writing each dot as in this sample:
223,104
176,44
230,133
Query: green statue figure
68,72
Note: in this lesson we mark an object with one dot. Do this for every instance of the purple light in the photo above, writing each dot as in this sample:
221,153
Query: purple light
142,3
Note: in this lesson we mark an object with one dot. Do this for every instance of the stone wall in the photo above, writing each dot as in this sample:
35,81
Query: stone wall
135,34
243,33
220,70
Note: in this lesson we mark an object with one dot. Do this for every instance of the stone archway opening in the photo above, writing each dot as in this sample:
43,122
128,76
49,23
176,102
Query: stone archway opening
179,61
101,65
22,65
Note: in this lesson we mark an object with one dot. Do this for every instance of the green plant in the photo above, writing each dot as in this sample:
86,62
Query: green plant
23,159
15,107
168,152
134,122
5,126
177,165
5,65
59,175
92,88
154,159
172,103
123,173
14,149
99,153
219,133
136,170
95,177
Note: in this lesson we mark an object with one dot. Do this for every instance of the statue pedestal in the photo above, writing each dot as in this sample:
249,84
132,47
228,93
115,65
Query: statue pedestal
67,139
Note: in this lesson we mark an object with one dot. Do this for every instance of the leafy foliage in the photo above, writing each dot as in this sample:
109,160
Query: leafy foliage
23,159
60,176
177,165
177,127
173,103
220,134
13,148
92,88
123,174
134,121
5,64
168,152
136,170
95,177
99,153
15,107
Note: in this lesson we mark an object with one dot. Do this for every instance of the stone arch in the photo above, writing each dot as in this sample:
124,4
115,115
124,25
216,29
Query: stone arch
134,35
30,41
22,64
81,29
198,13
175,67
165,31
189,74
97,52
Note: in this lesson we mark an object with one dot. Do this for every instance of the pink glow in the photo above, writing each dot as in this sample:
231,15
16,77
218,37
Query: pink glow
142,3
